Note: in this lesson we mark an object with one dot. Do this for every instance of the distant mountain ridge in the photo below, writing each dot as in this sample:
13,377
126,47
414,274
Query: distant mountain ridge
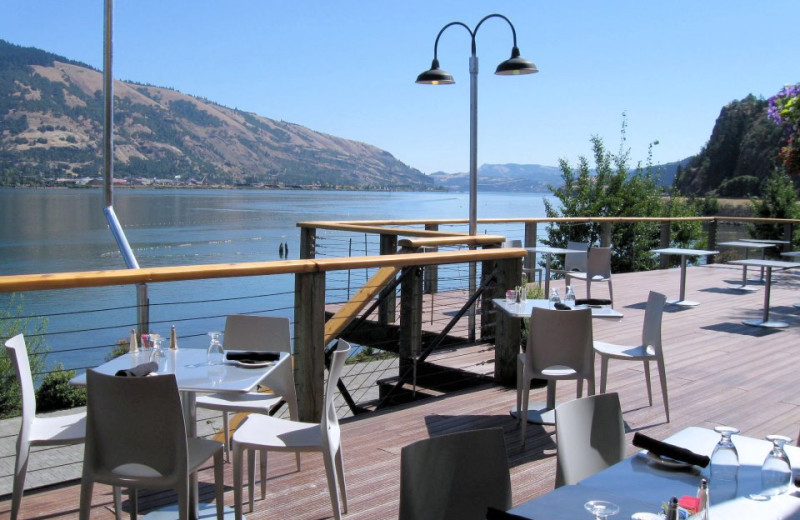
51,127
531,177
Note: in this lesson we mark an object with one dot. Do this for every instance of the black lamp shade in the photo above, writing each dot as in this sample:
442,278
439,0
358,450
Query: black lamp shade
515,65
435,76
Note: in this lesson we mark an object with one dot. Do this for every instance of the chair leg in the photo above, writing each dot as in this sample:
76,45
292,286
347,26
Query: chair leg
647,380
263,469
603,373
117,502
227,432
237,480
219,484
20,471
133,498
87,485
330,473
183,499
662,375
251,476
340,475
611,292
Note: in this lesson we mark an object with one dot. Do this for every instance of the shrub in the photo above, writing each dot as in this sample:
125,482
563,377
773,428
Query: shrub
55,392
11,324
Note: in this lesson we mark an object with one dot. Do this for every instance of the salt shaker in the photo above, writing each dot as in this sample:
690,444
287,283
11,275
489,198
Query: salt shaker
173,339
133,345
702,495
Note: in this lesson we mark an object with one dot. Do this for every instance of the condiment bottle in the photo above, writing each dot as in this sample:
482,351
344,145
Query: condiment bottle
173,339
133,345
702,494
672,509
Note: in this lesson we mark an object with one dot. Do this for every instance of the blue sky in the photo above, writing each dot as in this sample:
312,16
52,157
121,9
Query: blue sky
347,68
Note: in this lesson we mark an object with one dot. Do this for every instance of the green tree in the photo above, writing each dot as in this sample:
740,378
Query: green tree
616,191
778,200
12,323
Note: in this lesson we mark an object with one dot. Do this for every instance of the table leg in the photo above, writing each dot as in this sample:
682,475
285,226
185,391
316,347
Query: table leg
765,321
682,301
547,276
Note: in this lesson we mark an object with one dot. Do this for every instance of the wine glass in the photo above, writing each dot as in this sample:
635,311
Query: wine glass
776,472
158,356
601,509
215,355
554,298
725,464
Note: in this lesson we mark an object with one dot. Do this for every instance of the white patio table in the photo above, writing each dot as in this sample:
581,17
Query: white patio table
193,375
684,253
747,245
637,484
769,265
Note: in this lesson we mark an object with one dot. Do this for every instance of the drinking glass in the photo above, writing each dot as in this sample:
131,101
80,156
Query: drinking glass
554,298
776,472
215,355
158,356
725,464
511,296
601,509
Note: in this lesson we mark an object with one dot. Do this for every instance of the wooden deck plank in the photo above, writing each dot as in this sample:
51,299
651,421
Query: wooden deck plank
719,371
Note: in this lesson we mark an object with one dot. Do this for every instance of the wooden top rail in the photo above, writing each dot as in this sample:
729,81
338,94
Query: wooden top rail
345,224
369,228
38,282
475,240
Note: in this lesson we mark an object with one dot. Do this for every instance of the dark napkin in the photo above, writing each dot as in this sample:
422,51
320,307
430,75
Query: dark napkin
666,449
143,369
592,301
560,306
497,514
252,357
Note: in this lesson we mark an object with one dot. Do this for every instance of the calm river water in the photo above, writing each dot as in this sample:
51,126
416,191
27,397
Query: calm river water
60,230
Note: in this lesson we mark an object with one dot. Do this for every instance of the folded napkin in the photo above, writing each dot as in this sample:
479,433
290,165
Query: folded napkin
666,449
592,301
497,514
143,369
560,306
252,357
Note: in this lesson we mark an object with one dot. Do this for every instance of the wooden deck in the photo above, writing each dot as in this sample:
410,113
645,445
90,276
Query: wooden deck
719,371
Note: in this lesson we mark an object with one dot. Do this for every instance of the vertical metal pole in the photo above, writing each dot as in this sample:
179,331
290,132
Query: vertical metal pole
473,178
108,103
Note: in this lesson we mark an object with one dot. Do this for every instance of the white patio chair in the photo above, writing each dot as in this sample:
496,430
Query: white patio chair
457,476
559,347
36,431
649,349
263,432
590,436
136,438
598,269
257,333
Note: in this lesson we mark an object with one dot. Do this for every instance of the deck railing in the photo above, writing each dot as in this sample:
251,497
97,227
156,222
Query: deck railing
310,301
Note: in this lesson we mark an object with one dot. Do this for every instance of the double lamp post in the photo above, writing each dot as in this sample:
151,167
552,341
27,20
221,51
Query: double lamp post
515,65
